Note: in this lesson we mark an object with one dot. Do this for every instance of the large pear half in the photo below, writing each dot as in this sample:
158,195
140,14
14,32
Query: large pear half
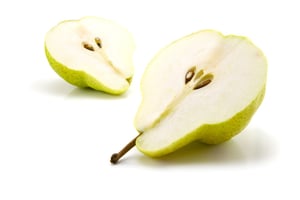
92,52
205,86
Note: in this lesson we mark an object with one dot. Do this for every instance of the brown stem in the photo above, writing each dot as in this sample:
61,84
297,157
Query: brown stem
116,156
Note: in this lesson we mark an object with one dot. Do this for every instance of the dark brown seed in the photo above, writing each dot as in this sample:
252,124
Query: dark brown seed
88,46
203,81
190,74
98,42
202,84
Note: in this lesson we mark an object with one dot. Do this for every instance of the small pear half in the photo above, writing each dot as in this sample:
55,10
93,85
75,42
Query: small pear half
92,52
205,86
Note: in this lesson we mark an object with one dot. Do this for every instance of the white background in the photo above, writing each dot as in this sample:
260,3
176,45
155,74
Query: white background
56,140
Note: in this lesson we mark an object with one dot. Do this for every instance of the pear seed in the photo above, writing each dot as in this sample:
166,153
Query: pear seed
98,42
204,81
190,74
202,84
88,46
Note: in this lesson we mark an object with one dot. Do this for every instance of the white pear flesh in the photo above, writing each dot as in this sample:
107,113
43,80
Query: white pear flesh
172,114
108,67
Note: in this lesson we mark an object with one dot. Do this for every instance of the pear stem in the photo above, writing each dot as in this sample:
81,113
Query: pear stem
116,156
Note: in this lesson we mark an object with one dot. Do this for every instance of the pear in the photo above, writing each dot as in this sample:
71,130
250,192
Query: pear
92,52
205,87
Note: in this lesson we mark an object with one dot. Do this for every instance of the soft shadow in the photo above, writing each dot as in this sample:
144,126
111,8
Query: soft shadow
58,87
252,146
88,93
53,87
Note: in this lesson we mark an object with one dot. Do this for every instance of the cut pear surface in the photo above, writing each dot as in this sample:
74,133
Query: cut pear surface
92,52
205,86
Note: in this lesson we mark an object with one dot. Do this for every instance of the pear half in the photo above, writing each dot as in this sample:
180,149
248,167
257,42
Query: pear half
92,52
205,86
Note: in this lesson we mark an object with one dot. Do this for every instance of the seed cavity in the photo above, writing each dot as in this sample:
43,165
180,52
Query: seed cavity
190,74
204,81
87,46
98,42
90,47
